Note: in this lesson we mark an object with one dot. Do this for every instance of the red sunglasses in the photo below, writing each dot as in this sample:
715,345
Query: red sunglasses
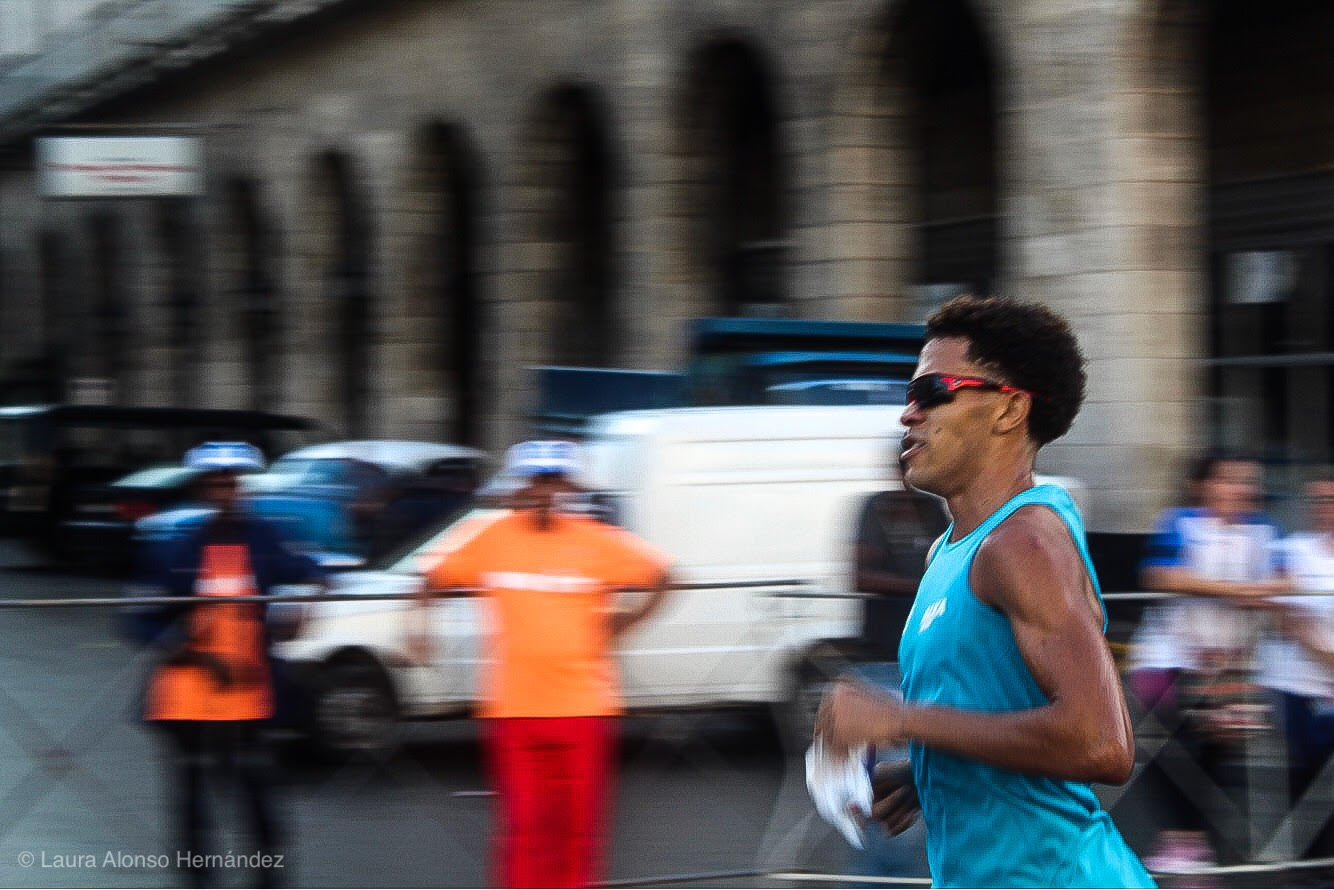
930,390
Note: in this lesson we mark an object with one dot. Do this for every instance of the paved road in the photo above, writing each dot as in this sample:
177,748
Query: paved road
707,800
710,795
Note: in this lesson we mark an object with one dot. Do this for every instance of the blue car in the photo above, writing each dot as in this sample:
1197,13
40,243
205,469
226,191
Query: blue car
366,498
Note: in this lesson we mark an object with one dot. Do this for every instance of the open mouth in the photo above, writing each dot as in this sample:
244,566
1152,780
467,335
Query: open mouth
908,448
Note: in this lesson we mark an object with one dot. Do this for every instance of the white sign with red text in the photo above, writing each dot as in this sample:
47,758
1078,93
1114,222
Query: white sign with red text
119,166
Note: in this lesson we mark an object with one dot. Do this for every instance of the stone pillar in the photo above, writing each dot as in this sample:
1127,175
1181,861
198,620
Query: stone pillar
1102,223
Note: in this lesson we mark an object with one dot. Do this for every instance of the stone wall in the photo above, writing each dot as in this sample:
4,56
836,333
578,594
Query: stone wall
1097,195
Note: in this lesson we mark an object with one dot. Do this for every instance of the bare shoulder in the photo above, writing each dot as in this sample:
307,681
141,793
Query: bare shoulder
1029,562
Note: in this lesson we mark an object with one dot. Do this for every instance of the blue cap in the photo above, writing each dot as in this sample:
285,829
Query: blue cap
240,457
543,456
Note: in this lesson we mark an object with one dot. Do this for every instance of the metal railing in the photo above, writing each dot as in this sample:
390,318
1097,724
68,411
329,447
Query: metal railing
1265,826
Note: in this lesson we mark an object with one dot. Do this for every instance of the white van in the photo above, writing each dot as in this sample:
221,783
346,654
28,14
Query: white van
757,505
742,496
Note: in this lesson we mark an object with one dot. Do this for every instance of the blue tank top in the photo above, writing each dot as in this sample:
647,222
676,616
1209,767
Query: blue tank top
986,826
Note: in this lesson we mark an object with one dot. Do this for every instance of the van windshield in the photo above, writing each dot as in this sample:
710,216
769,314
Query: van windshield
821,389
461,526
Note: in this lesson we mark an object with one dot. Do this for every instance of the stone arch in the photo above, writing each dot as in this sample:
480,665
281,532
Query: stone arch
180,245
1236,221
443,293
339,264
915,161
1269,235
56,311
106,340
733,218
248,255
566,221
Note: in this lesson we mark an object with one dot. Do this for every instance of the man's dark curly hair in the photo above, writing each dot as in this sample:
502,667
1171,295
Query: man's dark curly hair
1024,344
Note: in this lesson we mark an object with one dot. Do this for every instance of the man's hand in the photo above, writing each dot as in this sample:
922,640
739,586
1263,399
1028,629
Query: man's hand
285,620
895,804
217,668
1256,594
419,647
854,713
417,636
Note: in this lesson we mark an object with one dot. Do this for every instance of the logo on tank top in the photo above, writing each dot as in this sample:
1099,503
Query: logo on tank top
933,611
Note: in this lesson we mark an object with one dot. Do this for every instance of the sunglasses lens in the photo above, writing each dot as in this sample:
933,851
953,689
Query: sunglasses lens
928,391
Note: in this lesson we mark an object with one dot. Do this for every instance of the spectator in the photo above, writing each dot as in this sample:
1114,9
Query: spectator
895,530
1219,555
213,689
550,692
1298,664
1191,658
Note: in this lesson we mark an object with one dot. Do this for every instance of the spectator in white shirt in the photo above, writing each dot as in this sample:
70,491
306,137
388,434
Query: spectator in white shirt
1298,664
1191,654
1219,554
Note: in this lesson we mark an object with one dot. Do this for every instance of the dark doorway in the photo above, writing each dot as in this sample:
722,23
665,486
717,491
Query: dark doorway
110,316
179,235
455,173
346,281
1270,149
950,75
736,181
576,173
255,295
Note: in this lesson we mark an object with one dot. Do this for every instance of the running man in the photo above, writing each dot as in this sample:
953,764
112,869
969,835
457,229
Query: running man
1011,702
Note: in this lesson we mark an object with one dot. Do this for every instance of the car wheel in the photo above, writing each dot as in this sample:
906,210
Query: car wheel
354,714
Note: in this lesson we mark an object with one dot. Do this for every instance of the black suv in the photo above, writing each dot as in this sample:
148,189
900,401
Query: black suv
51,456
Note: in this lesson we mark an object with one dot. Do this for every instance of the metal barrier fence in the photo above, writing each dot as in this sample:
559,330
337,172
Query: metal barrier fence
57,775
61,784
1240,790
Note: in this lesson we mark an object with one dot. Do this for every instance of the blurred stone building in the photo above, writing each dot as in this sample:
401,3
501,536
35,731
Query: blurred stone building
408,202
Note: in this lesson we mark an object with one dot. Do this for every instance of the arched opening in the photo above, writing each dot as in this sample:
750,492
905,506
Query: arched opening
180,239
55,310
253,288
109,331
915,162
950,70
736,253
342,267
1269,156
444,296
567,179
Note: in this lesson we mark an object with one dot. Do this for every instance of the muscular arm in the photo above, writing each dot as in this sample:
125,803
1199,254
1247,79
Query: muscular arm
1178,579
1030,570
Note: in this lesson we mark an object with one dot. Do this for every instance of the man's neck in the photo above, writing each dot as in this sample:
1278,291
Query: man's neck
986,491
225,525
543,520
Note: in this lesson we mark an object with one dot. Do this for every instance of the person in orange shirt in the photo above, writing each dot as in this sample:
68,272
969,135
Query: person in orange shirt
549,693
212,689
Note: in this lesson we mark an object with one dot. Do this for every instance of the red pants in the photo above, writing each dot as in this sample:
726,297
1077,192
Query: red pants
553,779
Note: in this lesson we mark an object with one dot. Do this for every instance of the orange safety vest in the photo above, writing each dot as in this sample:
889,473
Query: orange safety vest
232,633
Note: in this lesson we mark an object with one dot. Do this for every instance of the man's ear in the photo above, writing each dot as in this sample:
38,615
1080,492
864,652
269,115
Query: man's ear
1013,412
